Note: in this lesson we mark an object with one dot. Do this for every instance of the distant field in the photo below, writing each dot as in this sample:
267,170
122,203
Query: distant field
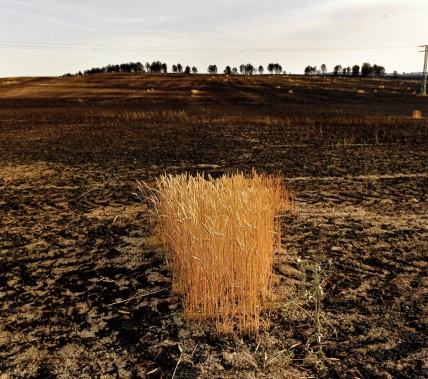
265,95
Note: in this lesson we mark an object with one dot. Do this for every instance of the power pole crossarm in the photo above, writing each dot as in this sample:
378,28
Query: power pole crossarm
424,75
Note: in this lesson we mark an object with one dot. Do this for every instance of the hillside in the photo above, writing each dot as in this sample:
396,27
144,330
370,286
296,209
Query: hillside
268,95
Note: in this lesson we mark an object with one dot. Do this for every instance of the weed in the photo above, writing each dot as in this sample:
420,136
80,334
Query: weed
309,306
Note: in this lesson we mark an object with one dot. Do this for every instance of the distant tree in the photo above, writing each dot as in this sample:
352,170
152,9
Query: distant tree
187,70
227,70
378,71
174,68
249,69
212,69
139,67
348,71
261,70
309,70
234,71
355,70
156,67
274,68
366,70
337,70
395,74
194,70
164,68
147,66
179,68
344,71
323,69
94,70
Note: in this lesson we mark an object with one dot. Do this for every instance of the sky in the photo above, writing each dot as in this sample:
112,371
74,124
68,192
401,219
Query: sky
54,37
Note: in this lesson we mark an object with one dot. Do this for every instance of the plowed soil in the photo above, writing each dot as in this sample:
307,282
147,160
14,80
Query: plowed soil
84,287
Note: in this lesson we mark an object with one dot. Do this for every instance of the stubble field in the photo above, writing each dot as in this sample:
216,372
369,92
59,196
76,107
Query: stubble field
84,288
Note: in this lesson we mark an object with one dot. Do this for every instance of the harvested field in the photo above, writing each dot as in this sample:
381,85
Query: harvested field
84,288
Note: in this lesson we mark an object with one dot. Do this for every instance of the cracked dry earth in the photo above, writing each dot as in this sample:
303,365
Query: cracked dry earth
85,292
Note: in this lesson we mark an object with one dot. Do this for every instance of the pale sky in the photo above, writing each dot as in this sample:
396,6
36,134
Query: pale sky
54,37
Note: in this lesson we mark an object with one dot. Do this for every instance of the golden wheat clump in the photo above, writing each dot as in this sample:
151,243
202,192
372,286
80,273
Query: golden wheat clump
219,238
417,114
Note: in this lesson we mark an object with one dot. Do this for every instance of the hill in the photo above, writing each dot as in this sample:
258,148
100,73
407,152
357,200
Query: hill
280,95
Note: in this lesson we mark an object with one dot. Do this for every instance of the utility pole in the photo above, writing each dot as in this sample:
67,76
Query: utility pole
424,75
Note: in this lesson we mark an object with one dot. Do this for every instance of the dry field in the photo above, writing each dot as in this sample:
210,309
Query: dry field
84,288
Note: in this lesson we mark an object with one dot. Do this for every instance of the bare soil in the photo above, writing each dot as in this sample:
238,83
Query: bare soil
84,288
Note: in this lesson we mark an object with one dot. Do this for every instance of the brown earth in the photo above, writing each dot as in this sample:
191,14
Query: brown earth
84,289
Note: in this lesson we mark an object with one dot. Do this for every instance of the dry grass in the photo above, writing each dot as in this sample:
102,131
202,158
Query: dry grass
417,114
220,237
130,116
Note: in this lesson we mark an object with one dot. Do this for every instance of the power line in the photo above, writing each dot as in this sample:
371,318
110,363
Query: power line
18,45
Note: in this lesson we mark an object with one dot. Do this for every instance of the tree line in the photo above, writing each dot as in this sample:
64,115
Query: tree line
366,70
159,67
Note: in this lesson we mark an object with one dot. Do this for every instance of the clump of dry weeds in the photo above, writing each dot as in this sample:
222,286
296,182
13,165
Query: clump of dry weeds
417,114
219,237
